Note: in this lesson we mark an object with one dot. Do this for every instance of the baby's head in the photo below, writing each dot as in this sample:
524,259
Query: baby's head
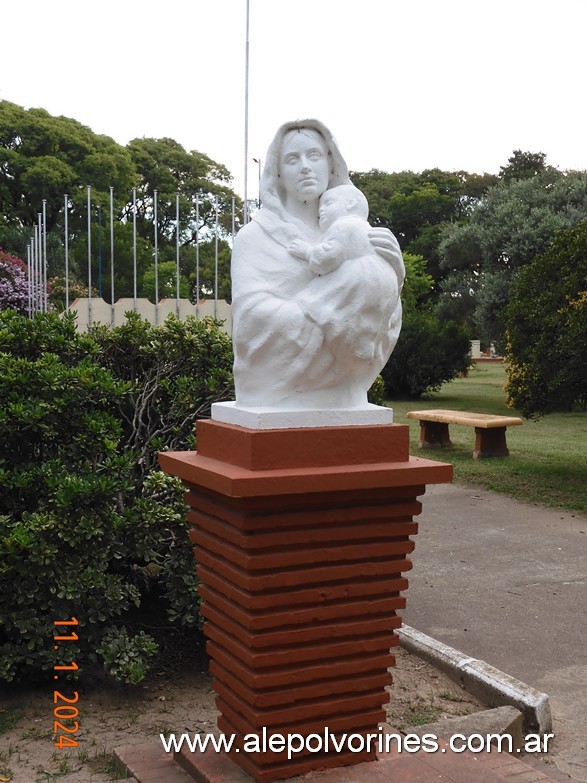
340,201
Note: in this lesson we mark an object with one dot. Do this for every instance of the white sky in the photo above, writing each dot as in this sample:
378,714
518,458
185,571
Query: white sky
402,84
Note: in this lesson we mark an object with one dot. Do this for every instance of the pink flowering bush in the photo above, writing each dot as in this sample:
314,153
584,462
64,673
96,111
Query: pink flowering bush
57,290
13,283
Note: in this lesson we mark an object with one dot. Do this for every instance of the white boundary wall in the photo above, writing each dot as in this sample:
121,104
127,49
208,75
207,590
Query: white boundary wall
97,311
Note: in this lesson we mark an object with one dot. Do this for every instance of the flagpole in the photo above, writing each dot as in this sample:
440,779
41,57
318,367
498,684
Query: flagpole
177,254
246,204
45,254
66,244
89,258
40,258
112,318
35,270
156,258
99,208
197,254
29,288
134,247
233,219
216,261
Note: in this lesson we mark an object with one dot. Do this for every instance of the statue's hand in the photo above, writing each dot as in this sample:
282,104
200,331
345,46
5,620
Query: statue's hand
299,248
387,246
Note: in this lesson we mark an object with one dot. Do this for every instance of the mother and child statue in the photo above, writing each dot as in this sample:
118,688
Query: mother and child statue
316,290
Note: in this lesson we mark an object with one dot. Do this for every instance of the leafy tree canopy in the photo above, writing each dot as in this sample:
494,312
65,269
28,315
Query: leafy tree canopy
523,165
166,167
207,265
416,206
429,352
515,221
547,328
417,283
166,283
45,157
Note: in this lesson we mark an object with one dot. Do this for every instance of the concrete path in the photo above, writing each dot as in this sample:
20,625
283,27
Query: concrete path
506,582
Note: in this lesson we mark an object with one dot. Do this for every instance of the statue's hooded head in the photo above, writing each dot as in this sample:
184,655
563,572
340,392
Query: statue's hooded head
271,190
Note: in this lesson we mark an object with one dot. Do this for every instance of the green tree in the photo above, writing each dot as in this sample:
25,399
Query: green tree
457,299
476,299
166,167
417,285
516,221
126,250
523,165
430,350
416,206
428,353
60,476
167,282
209,280
547,328
45,157
491,300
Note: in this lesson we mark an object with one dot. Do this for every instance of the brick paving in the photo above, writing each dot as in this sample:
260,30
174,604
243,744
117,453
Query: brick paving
150,764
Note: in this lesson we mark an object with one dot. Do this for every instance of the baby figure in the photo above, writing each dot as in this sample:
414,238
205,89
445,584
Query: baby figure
344,262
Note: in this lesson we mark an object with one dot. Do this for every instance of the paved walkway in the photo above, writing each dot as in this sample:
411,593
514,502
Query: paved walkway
506,582
149,764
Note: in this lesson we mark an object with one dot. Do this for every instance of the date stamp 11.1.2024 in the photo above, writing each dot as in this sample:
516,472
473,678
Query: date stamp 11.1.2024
65,725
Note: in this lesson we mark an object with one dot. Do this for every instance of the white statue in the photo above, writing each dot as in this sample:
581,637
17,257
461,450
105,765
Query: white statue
316,307
364,287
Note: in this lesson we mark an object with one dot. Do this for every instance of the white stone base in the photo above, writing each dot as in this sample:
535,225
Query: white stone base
275,419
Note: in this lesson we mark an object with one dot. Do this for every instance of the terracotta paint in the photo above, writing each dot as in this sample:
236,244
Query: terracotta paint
302,539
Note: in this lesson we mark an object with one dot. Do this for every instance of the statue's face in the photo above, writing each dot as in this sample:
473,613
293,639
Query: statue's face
332,206
304,165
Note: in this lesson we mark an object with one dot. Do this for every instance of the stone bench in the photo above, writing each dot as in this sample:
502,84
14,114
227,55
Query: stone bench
490,430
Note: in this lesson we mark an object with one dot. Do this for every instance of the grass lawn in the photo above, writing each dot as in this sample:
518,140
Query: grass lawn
548,458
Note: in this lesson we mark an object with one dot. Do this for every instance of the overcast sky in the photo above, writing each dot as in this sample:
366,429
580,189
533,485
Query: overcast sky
402,84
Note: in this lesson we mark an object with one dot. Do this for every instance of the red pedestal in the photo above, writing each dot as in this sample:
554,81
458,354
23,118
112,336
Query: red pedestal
301,537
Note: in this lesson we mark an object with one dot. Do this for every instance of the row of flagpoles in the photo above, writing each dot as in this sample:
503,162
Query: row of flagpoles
37,254
37,248
37,265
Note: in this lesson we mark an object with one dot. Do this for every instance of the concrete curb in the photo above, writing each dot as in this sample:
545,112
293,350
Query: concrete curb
488,684
500,721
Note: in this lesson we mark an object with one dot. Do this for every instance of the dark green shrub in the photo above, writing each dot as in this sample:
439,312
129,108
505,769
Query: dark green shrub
428,353
547,329
88,527
175,370
376,394
26,338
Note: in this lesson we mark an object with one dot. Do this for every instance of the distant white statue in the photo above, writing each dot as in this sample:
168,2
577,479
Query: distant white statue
315,290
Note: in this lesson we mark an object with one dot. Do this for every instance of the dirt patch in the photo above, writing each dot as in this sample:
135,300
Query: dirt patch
422,694
110,716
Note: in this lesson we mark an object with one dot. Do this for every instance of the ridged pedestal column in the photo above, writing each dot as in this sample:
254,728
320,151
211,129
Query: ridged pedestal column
301,538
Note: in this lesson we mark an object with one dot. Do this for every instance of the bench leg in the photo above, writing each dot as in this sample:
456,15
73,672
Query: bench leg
490,443
434,435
